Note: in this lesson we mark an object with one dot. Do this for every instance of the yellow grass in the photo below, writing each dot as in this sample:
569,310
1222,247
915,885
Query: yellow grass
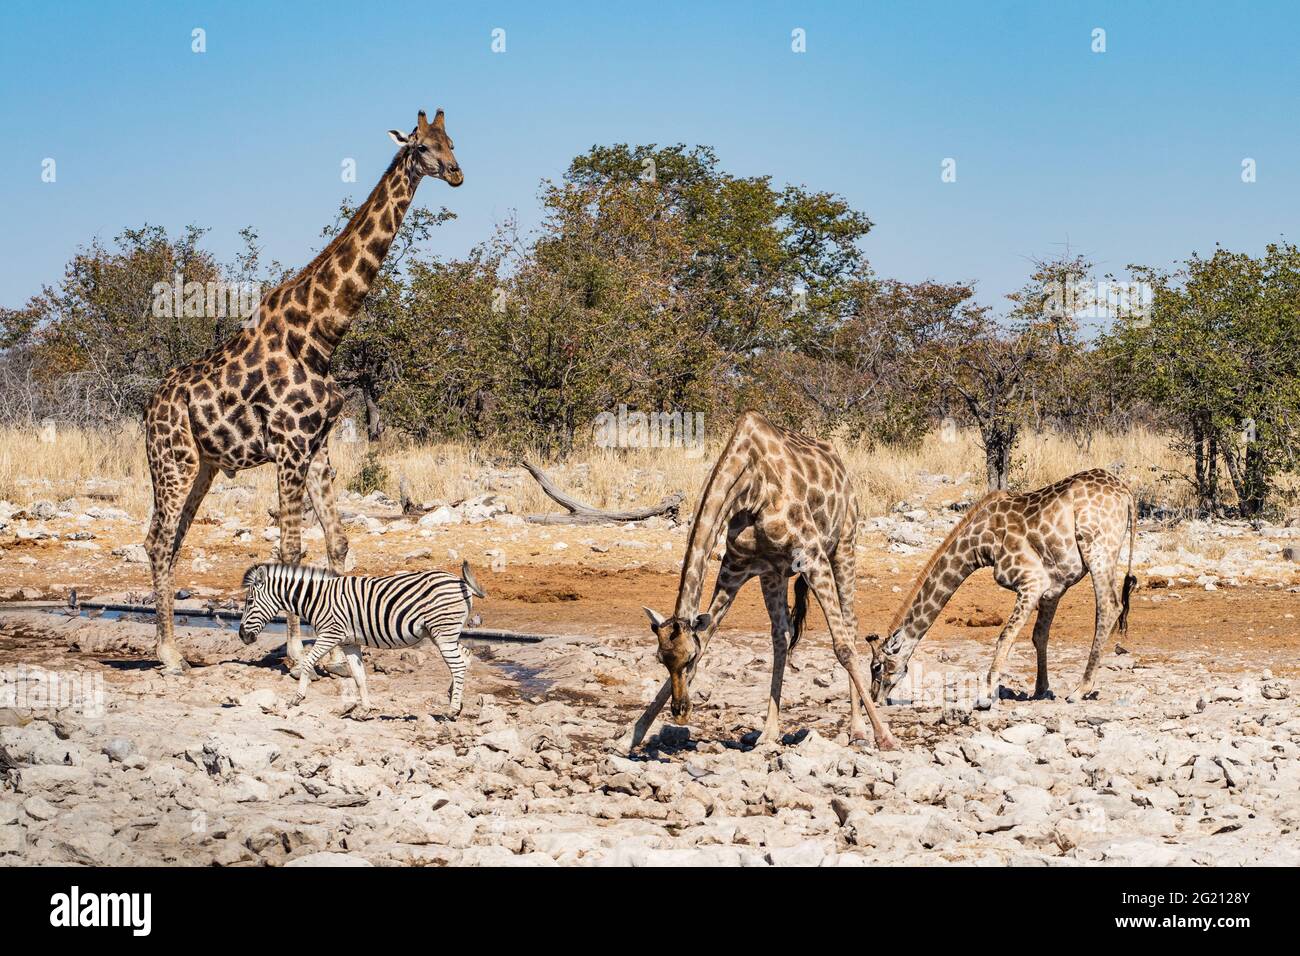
32,469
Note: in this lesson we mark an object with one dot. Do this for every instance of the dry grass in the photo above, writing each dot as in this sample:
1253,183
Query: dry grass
31,468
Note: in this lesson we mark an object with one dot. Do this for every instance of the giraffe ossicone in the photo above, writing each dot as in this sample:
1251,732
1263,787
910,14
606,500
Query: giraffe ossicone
267,396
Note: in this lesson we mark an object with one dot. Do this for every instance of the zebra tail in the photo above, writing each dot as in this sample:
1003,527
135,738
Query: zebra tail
467,576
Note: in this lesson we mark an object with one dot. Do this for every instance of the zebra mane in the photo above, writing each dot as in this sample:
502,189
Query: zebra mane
296,571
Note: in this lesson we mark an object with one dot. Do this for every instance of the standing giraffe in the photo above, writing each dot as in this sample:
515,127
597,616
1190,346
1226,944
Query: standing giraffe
788,510
1039,544
267,394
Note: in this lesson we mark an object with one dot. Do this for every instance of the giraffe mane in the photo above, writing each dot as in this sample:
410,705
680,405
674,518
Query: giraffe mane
337,239
939,552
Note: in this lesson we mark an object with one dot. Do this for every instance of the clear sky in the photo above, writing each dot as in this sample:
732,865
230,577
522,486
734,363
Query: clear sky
1133,154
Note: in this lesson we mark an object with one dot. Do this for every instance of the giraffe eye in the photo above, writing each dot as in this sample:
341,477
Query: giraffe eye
422,148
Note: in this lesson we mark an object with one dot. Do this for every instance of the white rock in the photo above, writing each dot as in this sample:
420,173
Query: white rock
329,859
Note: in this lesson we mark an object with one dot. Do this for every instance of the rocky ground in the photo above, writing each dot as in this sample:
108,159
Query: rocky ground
1190,755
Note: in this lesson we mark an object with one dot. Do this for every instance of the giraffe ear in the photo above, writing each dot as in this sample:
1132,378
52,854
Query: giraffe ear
701,622
656,619
397,137
438,122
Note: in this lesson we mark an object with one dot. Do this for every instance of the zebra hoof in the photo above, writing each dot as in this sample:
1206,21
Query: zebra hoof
295,700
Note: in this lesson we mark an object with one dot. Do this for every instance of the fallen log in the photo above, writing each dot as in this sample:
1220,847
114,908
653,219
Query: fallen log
580,513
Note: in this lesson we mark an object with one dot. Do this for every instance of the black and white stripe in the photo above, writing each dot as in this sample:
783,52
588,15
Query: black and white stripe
399,610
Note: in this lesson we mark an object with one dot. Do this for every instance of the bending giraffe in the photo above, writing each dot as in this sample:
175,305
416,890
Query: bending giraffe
786,504
267,395
1039,544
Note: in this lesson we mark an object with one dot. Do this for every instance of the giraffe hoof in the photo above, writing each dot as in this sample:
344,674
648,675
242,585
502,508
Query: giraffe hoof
174,668
887,742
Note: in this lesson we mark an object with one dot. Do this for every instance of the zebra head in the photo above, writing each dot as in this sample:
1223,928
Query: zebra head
260,605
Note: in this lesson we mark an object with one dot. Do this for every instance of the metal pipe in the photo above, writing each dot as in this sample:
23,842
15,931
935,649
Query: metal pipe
469,633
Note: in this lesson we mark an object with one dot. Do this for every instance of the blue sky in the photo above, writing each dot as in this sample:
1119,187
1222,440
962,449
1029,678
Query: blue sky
1129,155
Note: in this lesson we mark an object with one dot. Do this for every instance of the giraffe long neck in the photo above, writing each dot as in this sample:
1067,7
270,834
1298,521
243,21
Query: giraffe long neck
333,285
955,560
726,485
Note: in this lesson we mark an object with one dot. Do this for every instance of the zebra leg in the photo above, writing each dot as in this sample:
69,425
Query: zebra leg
352,653
307,666
449,647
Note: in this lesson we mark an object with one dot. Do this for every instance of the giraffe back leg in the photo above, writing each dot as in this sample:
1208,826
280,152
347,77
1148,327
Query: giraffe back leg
320,488
775,596
292,480
1101,565
822,582
844,570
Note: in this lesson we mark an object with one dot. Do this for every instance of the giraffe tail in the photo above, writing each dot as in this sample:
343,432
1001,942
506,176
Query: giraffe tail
1130,580
800,613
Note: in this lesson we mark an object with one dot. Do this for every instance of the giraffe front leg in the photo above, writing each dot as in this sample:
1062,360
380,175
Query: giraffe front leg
179,485
162,560
1026,601
292,477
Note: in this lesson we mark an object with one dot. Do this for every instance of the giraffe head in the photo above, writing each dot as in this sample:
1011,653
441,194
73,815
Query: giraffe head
432,149
679,647
888,666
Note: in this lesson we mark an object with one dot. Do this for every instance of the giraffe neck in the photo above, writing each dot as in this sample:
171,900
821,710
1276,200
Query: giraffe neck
335,283
725,487
955,560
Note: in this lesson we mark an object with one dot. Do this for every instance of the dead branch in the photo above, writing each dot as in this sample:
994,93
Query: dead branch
579,513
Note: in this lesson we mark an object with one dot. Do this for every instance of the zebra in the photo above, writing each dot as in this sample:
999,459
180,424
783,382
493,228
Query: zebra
399,610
